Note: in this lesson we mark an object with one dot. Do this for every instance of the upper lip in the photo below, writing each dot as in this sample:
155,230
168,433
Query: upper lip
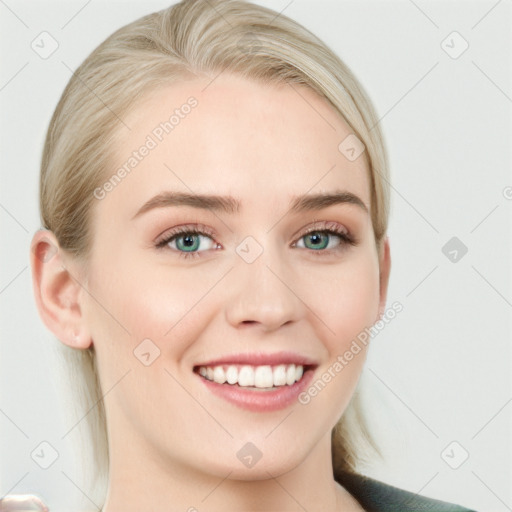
260,359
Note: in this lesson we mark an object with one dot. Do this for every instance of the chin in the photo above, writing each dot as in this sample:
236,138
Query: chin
258,461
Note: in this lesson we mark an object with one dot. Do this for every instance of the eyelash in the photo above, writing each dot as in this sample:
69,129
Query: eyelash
329,228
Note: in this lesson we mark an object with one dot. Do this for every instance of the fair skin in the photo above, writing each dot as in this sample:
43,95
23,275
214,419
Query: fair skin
173,443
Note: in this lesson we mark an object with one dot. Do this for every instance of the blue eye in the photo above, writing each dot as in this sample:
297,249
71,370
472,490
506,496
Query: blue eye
324,240
190,242
187,241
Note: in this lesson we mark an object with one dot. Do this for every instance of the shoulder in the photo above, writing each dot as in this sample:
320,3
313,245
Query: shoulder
376,496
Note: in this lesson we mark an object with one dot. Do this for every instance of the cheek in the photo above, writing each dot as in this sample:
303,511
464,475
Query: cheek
136,308
345,299
139,301
348,303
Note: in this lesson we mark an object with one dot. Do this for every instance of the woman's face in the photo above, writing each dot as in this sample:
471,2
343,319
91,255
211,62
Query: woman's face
249,290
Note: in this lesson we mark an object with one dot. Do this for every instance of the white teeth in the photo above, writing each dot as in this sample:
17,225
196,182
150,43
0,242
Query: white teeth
265,376
280,375
219,375
246,376
231,374
290,375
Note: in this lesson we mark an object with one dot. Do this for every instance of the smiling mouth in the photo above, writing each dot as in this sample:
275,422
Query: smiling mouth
257,378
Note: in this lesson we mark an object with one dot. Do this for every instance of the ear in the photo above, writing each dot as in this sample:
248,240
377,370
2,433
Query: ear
385,269
57,291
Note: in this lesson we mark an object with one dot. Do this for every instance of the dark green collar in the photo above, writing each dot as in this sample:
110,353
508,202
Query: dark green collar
375,496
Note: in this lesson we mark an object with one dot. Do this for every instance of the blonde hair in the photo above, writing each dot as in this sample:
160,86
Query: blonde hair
192,38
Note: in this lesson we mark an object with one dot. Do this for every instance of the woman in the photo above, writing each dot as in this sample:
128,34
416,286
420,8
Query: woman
215,196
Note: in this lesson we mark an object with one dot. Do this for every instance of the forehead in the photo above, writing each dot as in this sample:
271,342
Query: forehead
234,136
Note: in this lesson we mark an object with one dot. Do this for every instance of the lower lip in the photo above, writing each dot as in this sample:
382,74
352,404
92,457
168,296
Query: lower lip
260,401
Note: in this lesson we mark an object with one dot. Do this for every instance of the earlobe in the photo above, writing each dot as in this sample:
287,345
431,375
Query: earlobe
385,270
57,293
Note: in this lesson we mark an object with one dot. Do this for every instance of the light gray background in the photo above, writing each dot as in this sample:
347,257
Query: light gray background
440,371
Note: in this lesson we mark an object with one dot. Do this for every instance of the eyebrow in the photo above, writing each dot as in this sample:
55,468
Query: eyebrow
227,204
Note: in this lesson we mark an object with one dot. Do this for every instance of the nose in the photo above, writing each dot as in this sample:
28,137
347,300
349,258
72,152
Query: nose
263,294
